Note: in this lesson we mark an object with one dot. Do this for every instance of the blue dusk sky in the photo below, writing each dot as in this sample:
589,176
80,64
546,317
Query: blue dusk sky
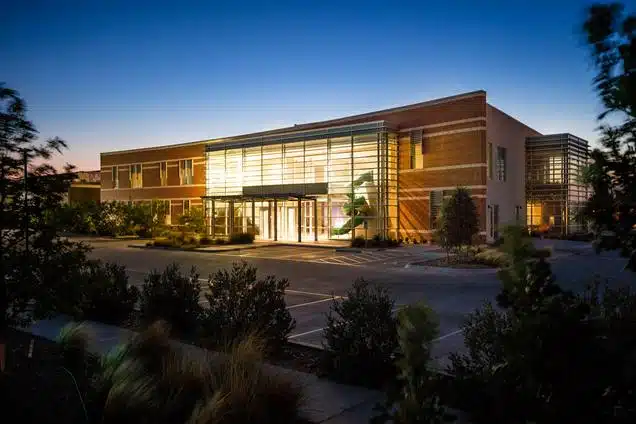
108,74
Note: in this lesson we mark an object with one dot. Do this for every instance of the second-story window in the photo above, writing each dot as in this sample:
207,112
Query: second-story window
115,177
501,164
136,179
415,153
163,173
186,174
489,160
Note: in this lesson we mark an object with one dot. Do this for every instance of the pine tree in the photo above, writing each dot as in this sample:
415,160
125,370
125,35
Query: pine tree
37,267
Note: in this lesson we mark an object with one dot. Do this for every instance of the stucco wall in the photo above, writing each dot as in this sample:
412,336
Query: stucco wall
505,131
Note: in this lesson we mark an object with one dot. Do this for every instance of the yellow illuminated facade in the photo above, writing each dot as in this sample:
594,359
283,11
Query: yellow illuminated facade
333,183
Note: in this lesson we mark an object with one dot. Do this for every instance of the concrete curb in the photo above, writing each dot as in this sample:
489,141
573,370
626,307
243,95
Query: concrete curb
197,249
449,271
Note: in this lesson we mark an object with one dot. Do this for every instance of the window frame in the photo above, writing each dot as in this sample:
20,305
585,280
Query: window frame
114,175
183,175
489,160
136,176
163,173
501,164
183,205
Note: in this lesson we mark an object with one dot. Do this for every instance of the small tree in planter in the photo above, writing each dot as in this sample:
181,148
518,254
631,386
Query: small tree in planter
360,337
458,222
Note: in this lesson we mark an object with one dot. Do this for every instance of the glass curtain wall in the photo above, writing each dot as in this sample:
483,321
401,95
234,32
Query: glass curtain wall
358,165
555,195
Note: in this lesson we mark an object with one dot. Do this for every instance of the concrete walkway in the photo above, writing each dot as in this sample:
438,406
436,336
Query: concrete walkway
325,401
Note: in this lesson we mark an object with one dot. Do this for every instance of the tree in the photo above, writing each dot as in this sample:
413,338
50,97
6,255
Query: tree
193,220
611,35
458,221
37,267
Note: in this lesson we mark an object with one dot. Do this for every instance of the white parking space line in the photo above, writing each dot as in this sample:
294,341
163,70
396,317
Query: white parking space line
300,305
309,293
445,336
294,336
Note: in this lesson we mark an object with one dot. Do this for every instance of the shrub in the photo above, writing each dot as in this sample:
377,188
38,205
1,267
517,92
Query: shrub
414,399
242,238
246,393
108,297
360,336
173,297
163,242
205,240
358,242
193,220
492,257
241,304
151,380
219,241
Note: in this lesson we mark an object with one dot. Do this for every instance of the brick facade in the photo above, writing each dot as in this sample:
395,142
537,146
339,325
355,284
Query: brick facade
454,133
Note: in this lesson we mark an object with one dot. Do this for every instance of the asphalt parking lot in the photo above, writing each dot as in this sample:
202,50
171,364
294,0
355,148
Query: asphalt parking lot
315,274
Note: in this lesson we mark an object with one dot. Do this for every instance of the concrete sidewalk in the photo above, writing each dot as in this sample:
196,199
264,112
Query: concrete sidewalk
325,401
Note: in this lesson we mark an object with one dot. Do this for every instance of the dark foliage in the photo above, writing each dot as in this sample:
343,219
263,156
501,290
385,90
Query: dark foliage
458,221
107,295
242,238
174,297
37,267
547,355
414,396
360,336
611,36
241,304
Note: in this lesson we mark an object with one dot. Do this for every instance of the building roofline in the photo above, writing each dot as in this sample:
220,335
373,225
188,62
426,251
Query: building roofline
512,117
309,125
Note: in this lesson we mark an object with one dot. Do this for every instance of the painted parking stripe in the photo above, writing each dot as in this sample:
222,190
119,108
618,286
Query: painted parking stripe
445,336
294,336
300,305
309,293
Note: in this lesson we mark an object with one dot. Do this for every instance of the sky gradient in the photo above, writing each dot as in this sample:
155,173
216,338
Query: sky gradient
109,74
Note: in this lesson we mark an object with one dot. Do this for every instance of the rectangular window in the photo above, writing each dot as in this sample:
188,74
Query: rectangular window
436,199
163,173
415,153
115,177
495,221
167,206
489,160
501,163
186,175
136,179
186,206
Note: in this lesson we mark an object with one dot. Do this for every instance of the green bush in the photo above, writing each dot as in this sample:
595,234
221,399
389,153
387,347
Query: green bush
173,297
492,257
193,220
241,304
242,238
219,241
163,242
360,336
204,240
108,297
414,398
358,242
